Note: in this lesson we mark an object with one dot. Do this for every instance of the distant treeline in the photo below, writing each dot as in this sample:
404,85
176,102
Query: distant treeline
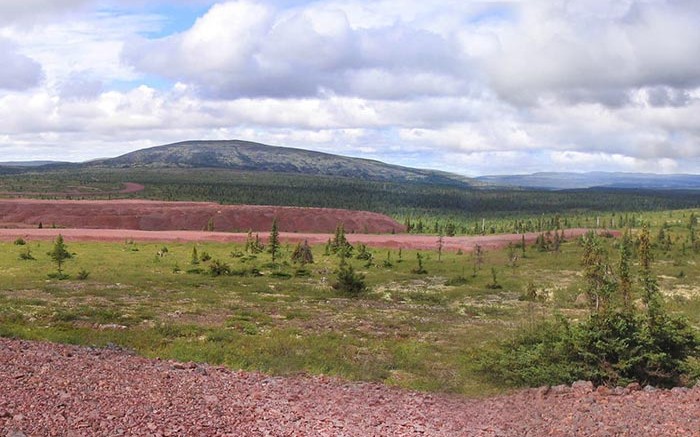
420,205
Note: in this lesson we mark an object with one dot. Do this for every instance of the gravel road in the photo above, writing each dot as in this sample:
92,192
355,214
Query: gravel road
393,241
58,390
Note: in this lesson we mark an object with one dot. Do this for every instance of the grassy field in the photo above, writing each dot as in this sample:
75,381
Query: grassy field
420,331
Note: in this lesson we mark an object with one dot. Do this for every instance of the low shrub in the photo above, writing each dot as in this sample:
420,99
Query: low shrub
349,282
219,268
607,349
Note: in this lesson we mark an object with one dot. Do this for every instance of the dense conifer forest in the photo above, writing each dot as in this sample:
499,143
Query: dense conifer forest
400,199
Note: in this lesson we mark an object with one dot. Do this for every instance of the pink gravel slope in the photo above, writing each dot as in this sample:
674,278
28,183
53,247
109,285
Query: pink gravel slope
57,390
405,241
151,215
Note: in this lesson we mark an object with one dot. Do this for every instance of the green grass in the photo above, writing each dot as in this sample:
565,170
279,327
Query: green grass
408,330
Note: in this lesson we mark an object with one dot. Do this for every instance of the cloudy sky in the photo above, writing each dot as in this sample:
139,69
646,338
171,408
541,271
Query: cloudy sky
474,87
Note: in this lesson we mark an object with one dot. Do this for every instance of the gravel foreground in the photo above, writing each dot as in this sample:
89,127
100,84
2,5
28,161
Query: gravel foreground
58,390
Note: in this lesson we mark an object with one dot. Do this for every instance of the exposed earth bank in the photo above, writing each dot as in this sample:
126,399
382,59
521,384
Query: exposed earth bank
57,390
164,216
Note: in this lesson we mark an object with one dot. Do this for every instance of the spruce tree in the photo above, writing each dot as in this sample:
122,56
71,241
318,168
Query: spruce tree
59,254
195,256
650,287
340,245
623,271
596,271
274,241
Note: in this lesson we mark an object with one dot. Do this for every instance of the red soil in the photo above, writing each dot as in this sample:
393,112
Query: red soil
56,390
194,216
404,241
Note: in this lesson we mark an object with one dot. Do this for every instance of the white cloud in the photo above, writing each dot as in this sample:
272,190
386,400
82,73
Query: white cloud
18,71
86,48
600,161
245,49
595,51
33,11
467,86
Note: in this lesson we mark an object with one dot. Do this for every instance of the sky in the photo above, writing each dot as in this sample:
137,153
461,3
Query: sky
471,87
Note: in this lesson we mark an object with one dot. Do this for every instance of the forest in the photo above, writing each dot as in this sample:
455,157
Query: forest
412,201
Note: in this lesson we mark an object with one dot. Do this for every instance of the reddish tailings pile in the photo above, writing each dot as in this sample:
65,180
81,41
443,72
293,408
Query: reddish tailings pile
48,390
193,216
142,220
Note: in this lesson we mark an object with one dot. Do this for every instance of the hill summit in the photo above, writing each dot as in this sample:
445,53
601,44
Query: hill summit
250,156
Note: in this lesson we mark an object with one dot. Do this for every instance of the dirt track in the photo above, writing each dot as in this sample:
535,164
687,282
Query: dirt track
57,390
405,241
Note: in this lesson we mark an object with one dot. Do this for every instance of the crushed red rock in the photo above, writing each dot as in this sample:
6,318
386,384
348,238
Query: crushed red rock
151,215
394,241
56,390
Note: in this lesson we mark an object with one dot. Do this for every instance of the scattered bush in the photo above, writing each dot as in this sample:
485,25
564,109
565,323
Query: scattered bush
616,344
20,242
340,245
302,273
219,268
457,280
387,262
349,282
363,253
302,254
59,276
194,260
531,293
611,349
83,274
494,285
419,270
280,275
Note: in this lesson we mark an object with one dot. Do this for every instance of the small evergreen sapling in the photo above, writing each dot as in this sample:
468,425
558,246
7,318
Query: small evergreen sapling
195,256
419,270
273,246
59,254
348,281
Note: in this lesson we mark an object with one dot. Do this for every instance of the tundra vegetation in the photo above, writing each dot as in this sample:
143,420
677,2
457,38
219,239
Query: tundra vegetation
607,309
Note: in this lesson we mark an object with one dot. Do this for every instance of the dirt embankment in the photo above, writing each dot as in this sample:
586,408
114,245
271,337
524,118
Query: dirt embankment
57,390
194,216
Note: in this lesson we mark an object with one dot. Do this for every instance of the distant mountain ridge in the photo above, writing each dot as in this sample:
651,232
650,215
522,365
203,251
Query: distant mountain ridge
568,181
250,156
28,163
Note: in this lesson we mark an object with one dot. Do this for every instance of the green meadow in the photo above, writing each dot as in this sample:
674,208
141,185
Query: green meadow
426,331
